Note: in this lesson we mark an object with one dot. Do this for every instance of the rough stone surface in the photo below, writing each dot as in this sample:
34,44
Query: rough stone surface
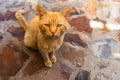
7,16
83,75
86,54
119,35
117,19
50,1
73,55
35,63
74,39
17,32
63,0
11,61
81,23
105,48
1,37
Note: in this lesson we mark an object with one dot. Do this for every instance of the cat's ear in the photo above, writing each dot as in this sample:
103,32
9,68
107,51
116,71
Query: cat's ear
41,10
66,11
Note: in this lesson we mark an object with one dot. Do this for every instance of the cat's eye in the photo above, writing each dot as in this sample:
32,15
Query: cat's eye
59,25
47,25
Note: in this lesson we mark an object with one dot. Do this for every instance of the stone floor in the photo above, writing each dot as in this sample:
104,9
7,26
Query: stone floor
86,54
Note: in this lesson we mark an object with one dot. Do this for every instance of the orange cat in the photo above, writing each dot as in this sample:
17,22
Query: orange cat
45,32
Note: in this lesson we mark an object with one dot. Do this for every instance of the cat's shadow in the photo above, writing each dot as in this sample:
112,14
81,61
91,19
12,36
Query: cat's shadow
34,63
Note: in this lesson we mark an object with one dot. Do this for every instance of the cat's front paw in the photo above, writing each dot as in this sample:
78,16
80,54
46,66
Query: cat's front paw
53,59
19,13
48,63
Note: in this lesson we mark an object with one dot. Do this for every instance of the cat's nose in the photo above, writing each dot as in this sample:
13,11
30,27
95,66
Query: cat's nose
53,30
53,33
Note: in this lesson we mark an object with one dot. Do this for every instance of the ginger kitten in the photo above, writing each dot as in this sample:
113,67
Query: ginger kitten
45,32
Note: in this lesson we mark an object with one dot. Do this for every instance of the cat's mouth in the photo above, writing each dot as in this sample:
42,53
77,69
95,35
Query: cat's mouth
54,37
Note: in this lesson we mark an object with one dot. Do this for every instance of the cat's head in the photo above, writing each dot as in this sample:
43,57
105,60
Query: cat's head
53,24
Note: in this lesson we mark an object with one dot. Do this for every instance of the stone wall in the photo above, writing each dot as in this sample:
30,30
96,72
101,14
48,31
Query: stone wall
90,50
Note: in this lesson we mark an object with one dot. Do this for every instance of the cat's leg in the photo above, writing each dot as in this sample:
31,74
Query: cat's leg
46,59
30,40
21,19
52,57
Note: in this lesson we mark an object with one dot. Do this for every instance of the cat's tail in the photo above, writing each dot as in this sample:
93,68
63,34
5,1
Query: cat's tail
21,19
